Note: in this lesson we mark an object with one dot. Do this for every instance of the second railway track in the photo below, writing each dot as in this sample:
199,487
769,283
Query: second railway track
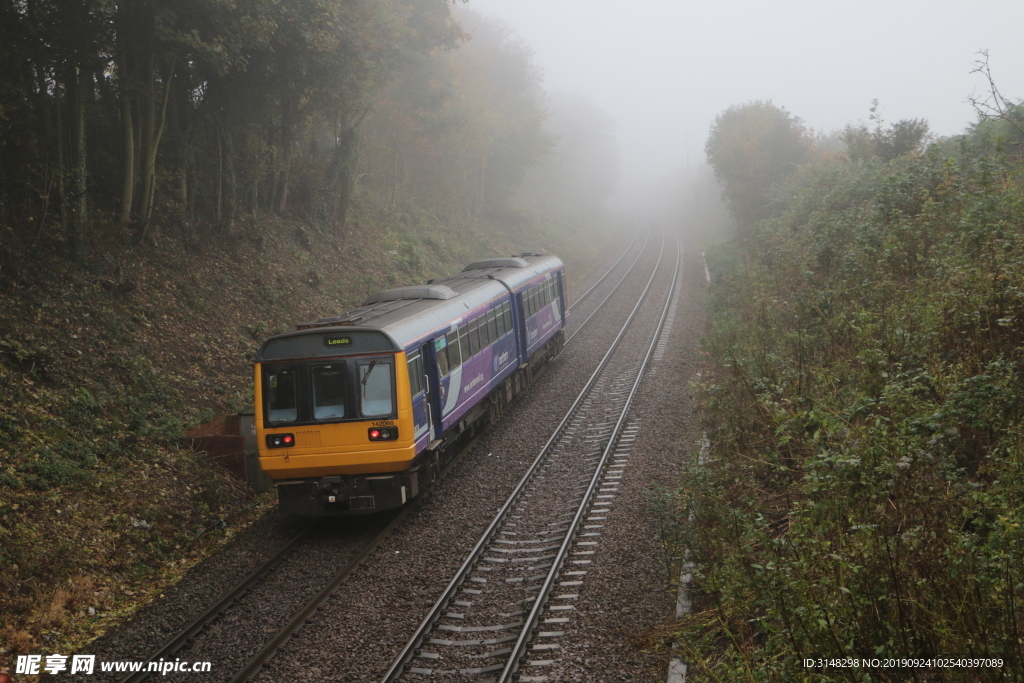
498,612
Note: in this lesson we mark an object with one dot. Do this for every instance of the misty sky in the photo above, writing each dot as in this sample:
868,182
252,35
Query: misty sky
664,68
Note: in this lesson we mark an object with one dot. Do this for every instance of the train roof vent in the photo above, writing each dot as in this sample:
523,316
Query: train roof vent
497,263
414,292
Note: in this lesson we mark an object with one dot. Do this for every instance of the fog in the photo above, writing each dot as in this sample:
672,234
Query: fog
662,69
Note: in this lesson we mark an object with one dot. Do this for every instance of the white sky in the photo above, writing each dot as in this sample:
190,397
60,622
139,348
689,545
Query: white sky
664,68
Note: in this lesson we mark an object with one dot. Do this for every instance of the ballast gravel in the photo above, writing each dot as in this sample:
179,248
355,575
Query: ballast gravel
366,622
628,588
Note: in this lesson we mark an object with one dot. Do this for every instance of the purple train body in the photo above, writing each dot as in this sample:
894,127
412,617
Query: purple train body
521,320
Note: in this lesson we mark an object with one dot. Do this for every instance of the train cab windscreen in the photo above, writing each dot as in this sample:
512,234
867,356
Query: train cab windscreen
281,395
310,392
375,378
329,391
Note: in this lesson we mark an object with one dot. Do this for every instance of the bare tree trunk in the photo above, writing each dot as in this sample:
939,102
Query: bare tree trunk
289,122
51,172
231,194
479,203
286,169
394,173
128,140
61,195
152,131
220,181
80,207
341,175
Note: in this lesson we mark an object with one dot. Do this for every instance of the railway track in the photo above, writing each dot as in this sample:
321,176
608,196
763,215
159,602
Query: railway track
574,329
582,297
499,608
237,594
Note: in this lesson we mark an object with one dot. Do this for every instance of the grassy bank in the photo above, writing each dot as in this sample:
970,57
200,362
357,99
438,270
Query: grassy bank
104,366
863,494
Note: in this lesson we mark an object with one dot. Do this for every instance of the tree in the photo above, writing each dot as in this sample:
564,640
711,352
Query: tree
994,106
907,136
1000,119
751,147
455,132
234,106
583,168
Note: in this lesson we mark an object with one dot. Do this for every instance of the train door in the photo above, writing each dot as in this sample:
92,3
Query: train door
433,389
419,388
449,370
520,319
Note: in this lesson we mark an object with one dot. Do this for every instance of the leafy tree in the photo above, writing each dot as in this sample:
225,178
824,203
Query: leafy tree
191,112
583,168
907,136
751,147
456,131
1000,119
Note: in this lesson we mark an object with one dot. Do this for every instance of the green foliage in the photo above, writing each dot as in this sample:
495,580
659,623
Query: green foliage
750,148
196,110
864,491
908,136
456,132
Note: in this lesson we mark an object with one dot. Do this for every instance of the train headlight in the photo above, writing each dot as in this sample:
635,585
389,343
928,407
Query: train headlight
280,440
383,433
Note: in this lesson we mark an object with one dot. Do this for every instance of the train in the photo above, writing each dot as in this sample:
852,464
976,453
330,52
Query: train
360,412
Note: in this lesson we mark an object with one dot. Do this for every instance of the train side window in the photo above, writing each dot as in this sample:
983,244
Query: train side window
415,373
441,352
464,342
375,388
281,395
528,303
329,391
499,319
485,339
506,310
454,352
474,338
492,325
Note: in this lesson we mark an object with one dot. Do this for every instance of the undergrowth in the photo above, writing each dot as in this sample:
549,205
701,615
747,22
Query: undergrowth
864,495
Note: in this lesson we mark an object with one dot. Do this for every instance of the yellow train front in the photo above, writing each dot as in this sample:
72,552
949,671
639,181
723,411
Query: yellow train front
335,431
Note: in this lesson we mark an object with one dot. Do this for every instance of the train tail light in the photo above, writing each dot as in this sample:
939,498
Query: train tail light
383,433
280,440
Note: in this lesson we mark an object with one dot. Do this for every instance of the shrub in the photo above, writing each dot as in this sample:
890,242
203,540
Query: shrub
863,495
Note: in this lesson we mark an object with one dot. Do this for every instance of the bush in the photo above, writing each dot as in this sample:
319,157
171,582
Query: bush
863,495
